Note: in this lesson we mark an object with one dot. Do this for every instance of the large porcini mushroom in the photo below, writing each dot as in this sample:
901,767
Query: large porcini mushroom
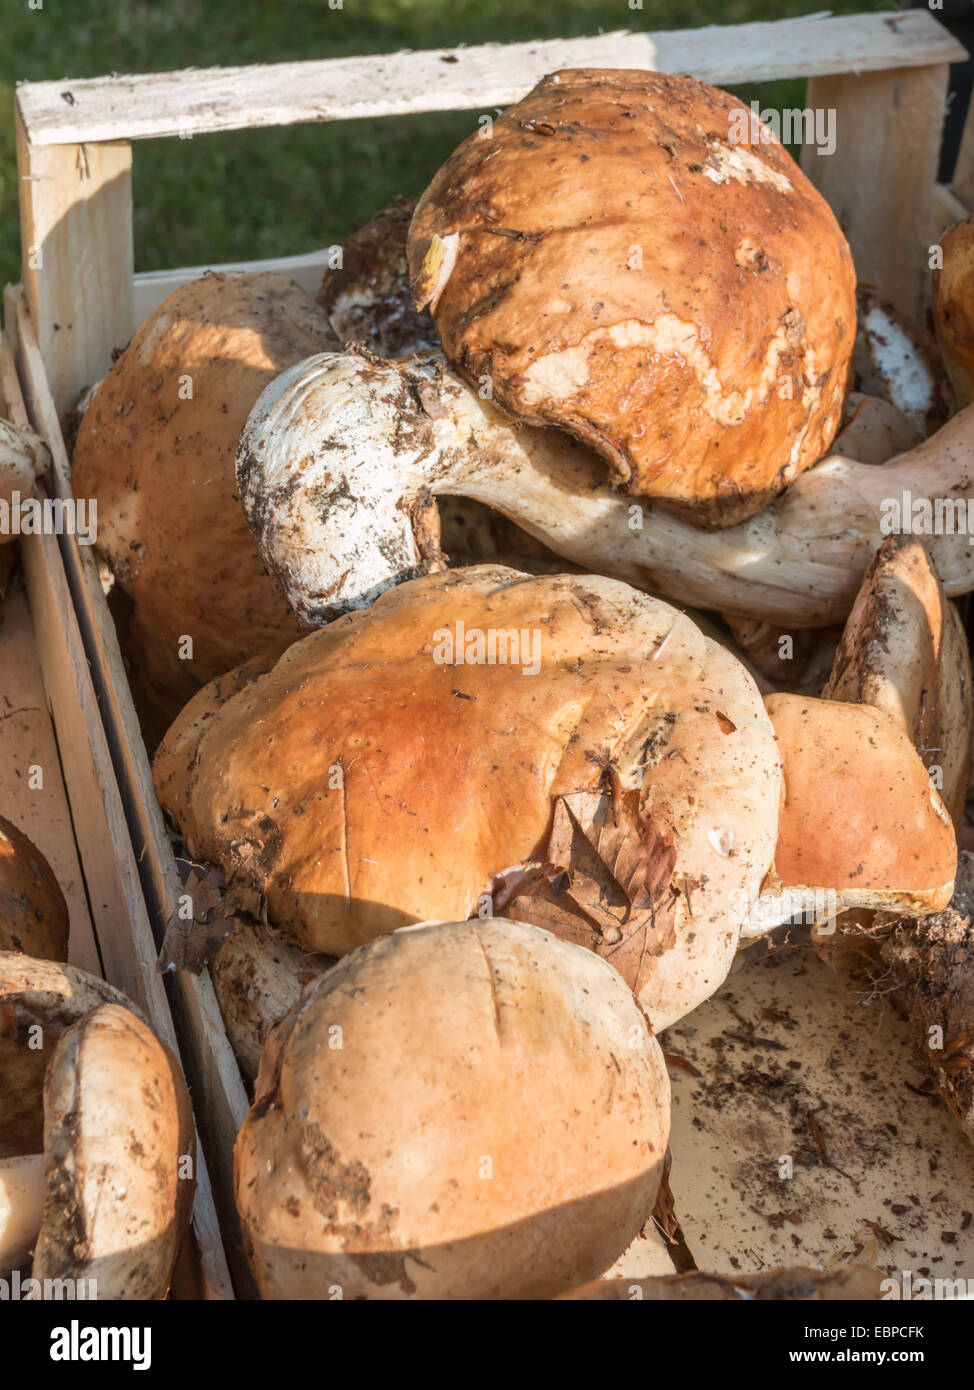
460,1110
155,447
97,1145
631,257
343,455
478,736
904,651
33,913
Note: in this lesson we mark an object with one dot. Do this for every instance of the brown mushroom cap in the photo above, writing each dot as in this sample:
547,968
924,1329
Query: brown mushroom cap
629,271
904,651
953,309
33,913
117,1129
462,1110
362,784
156,448
860,816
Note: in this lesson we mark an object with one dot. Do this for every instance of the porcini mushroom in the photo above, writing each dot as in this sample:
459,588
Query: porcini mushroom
33,913
480,736
343,455
953,309
851,1281
96,1127
410,1139
861,824
584,259
155,448
904,651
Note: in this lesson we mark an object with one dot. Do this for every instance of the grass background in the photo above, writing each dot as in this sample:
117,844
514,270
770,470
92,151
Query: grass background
253,194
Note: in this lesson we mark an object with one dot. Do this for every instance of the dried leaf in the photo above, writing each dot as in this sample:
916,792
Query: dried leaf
190,941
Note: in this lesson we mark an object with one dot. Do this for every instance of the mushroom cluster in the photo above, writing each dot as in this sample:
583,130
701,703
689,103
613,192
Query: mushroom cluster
488,807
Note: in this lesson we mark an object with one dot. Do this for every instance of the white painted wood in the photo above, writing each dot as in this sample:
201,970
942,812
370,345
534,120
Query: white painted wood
880,179
476,78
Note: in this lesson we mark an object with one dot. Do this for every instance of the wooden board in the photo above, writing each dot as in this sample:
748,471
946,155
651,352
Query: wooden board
475,78
880,179
118,913
794,1061
152,882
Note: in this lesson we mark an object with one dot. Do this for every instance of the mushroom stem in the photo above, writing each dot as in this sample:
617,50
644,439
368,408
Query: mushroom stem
342,455
23,1189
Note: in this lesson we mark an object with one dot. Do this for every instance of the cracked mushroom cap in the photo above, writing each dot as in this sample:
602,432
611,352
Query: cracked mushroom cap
616,772
460,1110
33,913
860,816
156,449
107,1102
625,260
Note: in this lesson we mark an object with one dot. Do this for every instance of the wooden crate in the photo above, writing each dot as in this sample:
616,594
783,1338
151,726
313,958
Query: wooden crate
885,74
51,721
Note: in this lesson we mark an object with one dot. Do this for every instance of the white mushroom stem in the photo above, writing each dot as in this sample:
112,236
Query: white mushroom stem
22,1192
23,458
342,454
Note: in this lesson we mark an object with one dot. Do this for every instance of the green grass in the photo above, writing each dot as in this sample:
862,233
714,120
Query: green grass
264,193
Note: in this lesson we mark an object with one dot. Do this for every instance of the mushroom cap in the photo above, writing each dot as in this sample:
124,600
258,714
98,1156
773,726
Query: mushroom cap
117,1127
904,651
630,269
860,816
366,782
461,1110
953,309
39,1000
33,913
156,448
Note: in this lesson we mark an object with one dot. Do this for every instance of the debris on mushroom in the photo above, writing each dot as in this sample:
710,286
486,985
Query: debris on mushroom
904,651
96,1125
480,736
155,448
258,976
408,1137
602,261
33,913
368,299
342,458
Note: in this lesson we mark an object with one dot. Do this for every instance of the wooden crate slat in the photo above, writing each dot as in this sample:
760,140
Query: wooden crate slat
475,78
125,939
77,257
881,177
151,287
